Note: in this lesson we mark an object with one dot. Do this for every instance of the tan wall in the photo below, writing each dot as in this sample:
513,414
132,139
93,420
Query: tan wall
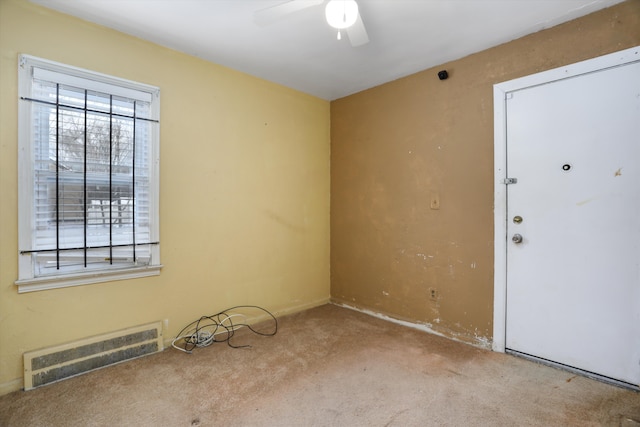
396,146
244,191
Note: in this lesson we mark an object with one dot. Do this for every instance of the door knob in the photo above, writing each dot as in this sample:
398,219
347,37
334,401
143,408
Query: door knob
517,238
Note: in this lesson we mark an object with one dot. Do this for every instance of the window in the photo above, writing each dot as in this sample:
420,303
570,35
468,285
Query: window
88,177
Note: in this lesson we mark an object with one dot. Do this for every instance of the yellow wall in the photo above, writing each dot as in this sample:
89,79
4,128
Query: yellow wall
396,146
244,188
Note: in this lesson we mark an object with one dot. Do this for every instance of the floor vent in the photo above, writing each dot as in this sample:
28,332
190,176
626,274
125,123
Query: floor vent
52,364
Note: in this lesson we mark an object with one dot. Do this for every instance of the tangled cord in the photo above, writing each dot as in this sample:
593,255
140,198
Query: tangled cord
217,328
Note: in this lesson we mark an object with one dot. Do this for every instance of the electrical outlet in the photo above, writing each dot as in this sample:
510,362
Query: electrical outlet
435,201
433,294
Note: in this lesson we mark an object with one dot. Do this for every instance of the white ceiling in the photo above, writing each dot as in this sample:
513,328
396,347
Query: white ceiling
301,50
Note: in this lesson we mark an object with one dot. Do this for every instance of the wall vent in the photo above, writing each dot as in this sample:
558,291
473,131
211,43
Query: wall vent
52,364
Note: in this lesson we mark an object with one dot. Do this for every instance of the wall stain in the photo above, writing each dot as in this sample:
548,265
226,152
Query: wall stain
584,202
282,221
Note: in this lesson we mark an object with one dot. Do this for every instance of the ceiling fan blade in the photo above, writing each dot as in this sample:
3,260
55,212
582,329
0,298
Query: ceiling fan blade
272,14
357,33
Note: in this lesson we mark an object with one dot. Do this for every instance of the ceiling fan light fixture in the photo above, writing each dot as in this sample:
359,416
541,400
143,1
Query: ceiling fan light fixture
341,13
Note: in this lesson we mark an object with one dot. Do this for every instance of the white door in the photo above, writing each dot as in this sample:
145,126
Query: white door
573,281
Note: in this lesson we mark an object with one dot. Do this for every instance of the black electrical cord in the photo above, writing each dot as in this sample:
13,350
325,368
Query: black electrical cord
208,329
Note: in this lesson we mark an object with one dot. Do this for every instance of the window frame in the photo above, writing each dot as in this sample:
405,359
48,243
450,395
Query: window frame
28,281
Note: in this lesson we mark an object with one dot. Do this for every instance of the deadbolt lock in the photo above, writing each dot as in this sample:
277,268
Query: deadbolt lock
517,219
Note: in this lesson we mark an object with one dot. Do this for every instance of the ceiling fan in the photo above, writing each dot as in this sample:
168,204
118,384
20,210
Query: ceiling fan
340,14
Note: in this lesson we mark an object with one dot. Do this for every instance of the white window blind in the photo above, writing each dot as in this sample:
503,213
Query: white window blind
88,175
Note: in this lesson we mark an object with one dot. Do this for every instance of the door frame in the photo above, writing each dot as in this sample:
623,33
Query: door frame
502,92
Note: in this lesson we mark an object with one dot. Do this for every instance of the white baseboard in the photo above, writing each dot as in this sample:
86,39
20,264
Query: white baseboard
479,342
11,386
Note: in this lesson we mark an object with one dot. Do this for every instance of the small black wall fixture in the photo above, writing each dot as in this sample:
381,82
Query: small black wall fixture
443,75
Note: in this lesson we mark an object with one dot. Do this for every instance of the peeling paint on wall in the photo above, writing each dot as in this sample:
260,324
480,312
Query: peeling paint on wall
394,146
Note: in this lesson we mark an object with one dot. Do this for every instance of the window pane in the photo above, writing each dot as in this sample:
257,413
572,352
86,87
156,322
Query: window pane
69,147
123,106
71,96
97,101
44,91
143,110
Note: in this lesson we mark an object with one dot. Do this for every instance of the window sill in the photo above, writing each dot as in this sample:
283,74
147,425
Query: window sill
44,283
